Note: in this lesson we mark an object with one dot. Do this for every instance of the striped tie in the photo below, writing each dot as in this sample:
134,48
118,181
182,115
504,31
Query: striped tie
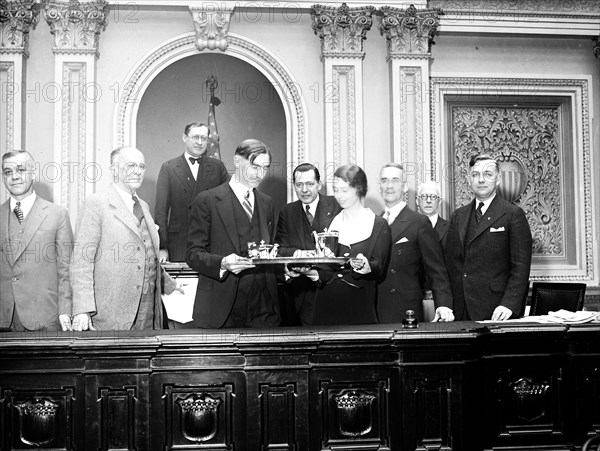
137,209
18,212
309,215
479,212
247,205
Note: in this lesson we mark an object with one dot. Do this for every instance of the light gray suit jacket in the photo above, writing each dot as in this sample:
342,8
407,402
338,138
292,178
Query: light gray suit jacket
34,276
107,272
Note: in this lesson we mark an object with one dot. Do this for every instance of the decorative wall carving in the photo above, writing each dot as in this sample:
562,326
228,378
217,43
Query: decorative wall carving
344,114
529,136
596,45
118,407
278,415
200,417
18,17
409,32
37,421
354,413
212,26
8,107
76,26
571,257
529,399
342,30
523,8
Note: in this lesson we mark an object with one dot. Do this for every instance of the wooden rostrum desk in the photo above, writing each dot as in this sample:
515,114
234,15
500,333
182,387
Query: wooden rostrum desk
456,386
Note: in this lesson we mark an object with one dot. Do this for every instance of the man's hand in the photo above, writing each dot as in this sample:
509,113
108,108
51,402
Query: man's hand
82,321
360,264
501,313
443,314
291,273
163,255
65,322
236,264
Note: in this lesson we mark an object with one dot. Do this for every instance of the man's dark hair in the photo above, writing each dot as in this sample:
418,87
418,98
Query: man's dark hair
191,125
483,157
249,149
14,153
305,167
354,176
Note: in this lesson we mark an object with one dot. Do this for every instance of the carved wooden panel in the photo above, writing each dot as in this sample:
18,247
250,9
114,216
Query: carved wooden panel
528,139
354,414
38,418
117,418
278,416
588,403
199,415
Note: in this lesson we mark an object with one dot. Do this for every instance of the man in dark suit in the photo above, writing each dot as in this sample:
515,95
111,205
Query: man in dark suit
416,254
36,245
488,250
428,200
179,182
232,291
298,220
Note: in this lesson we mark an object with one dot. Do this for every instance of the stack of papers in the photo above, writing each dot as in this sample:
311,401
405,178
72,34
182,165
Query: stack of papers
559,317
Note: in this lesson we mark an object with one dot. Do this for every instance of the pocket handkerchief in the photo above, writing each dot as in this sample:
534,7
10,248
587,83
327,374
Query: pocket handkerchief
402,240
499,229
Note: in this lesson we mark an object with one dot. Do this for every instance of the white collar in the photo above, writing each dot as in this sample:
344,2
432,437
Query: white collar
240,190
395,211
126,196
26,204
313,206
433,219
355,229
486,203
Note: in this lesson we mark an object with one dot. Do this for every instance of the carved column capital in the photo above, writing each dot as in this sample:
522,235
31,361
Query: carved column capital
17,17
212,25
76,25
409,32
341,30
596,44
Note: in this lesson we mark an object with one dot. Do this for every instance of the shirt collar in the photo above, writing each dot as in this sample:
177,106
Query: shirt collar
26,204
188,155
395,210
240,190
313,205
127,197
433,219
486,203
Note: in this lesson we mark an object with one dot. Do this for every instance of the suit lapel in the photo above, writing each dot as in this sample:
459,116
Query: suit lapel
323,214
122,213
399,225
463,222
4,212
184,174
151,226
491,215
263,215
36,217
440,228
225,207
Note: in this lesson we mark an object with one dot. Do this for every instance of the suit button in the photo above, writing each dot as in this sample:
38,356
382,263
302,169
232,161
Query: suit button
139,267
399,252
138,287
138,248
14,279
393,290
340,275
465,275
20,231
393,271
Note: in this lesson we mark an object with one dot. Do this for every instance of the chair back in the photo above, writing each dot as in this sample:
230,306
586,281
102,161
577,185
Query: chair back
550,297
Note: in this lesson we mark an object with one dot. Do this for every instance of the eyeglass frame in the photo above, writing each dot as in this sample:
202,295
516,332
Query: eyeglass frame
432,197
197,138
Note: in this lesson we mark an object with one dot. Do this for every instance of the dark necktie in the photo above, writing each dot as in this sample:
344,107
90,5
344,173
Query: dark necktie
247,206
387,216
194,160
137,209
309,215
18,212
478,212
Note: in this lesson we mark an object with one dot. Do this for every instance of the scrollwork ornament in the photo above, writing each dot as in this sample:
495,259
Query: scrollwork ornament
596,45
17,18
76,25
410,31
341,30
212,27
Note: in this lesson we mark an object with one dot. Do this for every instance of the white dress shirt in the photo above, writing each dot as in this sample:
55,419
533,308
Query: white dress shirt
26,204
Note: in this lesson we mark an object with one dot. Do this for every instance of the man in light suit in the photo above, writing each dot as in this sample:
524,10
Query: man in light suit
115,274
488,250
298,220
232,291
179,182
36,245
428,200
416,254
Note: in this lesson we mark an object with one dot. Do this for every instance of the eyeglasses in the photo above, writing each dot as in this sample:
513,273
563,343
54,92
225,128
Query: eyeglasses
20,170
307,185
134,167
199,138
432,197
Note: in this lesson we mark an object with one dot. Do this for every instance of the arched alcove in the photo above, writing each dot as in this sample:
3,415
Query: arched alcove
181,47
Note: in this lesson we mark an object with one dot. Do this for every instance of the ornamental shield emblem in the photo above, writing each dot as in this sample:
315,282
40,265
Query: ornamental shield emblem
529,400
513,179
354,413
37,421
199,417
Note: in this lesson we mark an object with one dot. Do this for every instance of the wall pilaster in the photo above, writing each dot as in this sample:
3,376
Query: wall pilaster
76,27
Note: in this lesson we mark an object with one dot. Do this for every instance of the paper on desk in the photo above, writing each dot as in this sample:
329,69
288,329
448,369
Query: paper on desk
180,306
558,317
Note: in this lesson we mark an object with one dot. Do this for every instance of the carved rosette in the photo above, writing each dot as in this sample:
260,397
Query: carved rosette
76,25
341,30
212,26
409,32
596,45
17,18
199,417
37,421
354,413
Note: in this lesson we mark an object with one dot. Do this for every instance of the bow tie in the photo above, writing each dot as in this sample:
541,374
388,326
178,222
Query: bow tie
194,160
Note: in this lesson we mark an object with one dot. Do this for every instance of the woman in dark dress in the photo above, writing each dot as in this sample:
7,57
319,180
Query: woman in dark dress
346,295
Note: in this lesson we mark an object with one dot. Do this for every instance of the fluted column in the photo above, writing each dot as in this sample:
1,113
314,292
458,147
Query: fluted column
409,33
17,18
76,27
342,32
